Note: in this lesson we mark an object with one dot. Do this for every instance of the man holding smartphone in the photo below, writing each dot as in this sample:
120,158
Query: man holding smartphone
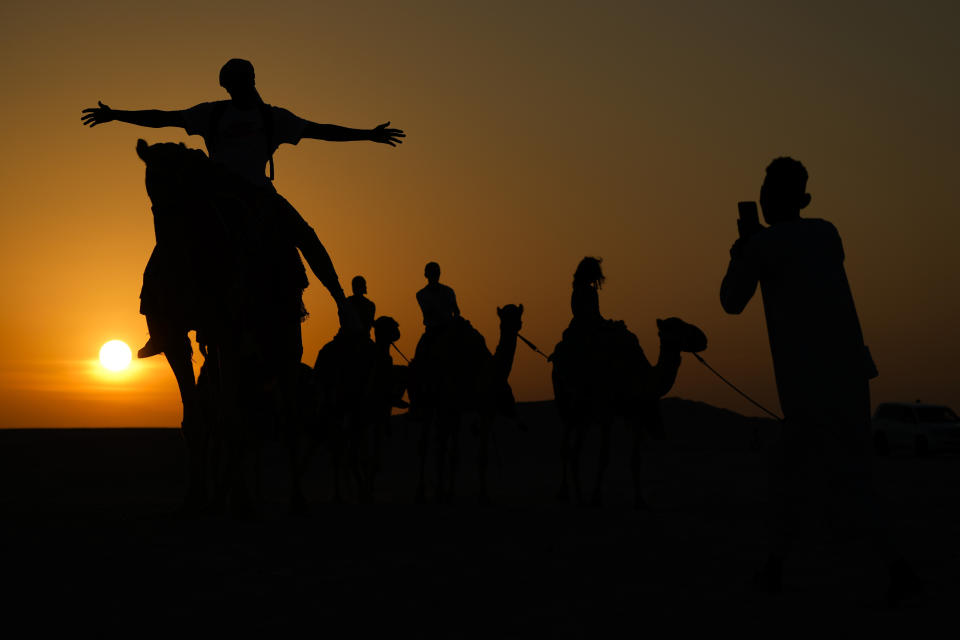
821,364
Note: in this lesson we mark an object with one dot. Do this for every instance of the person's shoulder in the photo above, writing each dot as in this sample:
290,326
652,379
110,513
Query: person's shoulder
282,114
821,228
197,117
206,106
819,223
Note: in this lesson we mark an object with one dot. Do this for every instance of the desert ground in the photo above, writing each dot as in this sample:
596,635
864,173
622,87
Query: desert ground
91,540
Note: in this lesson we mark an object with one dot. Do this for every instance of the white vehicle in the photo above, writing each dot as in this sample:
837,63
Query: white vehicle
924,427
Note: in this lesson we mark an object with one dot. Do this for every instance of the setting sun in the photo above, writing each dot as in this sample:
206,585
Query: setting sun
115,355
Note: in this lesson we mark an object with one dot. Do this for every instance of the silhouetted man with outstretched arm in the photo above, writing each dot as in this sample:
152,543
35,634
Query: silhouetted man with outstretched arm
821,365
242,134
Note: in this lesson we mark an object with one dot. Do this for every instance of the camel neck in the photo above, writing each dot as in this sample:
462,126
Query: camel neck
504,353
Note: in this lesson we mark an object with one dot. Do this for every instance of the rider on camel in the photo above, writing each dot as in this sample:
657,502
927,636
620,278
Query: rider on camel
438,303
241,135
585,299
363,307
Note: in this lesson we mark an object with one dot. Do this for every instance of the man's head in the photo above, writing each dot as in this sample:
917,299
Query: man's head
784,191
589,272
432,272
359,285
237,77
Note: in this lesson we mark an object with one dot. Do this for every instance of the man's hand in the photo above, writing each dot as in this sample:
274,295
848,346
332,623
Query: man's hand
387,136
748,229
97,115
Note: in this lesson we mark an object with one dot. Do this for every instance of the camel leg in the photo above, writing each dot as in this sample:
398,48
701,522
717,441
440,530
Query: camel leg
215,460
182,365
443,436
339,451
239,462
483,459
579,433
638,502
565,452
353,456
199,467
241,499
363,466
300,447
379,429
241,458
454,457
301,450
192,428
603,459
424,447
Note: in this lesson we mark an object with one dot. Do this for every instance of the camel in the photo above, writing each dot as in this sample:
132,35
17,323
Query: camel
461,377
605,376
355,386
221,267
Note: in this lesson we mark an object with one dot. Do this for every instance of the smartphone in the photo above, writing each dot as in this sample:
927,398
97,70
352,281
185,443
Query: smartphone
748,213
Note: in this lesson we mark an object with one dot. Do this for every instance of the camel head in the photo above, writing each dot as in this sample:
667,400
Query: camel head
681,335
173,170
510,318
168,154
386,330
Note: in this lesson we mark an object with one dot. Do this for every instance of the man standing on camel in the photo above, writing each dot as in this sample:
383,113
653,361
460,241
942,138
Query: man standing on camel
242,134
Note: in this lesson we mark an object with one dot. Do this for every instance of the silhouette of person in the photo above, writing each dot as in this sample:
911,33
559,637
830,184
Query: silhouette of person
242,134
585,299
438,302
821,364
364,308
587,322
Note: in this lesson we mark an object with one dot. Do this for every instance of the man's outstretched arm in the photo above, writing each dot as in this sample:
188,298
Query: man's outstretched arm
336,133
148,118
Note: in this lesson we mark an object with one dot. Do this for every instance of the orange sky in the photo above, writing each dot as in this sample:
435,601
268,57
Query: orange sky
537,133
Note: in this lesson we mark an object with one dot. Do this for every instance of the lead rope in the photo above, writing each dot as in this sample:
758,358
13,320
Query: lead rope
702,361
533,346
394,345
733,386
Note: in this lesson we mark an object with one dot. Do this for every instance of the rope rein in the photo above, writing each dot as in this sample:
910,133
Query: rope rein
695,355
405,358
533,346
732,386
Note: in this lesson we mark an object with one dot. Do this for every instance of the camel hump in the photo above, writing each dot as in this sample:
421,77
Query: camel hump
468,342
603,353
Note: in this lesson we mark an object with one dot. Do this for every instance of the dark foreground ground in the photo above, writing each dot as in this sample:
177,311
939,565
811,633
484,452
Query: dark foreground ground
89,542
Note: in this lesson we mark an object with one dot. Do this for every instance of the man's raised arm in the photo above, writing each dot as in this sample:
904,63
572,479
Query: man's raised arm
148,118
336,133
740,283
